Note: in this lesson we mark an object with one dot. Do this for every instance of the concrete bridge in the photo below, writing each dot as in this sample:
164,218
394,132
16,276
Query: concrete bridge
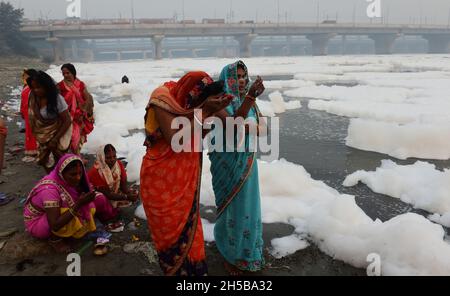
384,36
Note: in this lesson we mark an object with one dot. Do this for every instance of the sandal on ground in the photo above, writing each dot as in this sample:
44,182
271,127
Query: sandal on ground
115,227
100,249
29,159
4,200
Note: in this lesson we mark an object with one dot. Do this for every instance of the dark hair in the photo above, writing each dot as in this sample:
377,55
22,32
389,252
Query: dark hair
242,66
109,147
215,88
83,183
51,90
30,72
71,69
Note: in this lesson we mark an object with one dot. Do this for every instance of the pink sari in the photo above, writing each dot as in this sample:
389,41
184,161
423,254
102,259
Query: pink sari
54,192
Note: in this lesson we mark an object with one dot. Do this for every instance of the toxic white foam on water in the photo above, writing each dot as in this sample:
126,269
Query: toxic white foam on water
441,219
425,141
285,246
406,244
279,105
420,185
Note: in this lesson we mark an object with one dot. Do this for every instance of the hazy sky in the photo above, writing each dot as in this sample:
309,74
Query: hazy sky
398,11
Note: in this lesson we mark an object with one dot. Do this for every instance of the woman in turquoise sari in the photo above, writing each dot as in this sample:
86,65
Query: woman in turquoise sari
238,229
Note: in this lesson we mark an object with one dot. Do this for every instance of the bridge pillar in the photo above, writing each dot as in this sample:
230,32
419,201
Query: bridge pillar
344,45
383,42
157,43
74,48
89,55
58,49
438,43
245,42
320,43
288,48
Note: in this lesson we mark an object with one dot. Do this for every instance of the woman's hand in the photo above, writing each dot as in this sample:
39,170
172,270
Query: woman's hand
85,199
257,88
216,103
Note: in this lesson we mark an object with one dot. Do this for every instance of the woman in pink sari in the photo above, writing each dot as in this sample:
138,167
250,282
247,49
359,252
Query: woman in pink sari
63,204
81,106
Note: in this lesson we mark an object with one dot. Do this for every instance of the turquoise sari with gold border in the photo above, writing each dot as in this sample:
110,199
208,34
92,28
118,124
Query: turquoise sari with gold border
238,229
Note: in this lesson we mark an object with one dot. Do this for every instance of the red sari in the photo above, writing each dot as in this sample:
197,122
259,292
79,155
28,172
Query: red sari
30,141
98,181
170,186
83,123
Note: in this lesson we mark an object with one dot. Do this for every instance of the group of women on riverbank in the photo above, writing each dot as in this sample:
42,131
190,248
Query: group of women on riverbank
64,203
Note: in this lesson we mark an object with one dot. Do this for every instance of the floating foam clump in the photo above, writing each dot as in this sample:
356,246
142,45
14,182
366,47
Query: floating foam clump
419,184
427,141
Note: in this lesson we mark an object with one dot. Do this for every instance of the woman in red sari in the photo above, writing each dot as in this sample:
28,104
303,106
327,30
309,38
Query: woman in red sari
81,106
31,147
108,176
3,135
170,181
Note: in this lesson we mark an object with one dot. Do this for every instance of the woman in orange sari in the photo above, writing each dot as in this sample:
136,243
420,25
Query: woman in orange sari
170,181
81,106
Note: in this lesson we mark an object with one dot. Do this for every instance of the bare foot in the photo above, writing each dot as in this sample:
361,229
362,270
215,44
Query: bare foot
232,270
60,246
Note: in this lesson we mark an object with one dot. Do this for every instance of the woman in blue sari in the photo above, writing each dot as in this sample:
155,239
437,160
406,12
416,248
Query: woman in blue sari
238,230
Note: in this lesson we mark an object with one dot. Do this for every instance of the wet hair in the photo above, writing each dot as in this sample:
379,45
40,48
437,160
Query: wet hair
215,88
202,91
83,183
109,148
70,68
51,90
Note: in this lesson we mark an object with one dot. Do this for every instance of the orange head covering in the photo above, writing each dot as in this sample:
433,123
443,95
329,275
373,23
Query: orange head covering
188,87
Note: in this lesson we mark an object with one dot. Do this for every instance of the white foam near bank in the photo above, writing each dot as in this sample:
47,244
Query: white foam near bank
420,185
427,141
441,219
284,246
279,105
407,244
360,93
